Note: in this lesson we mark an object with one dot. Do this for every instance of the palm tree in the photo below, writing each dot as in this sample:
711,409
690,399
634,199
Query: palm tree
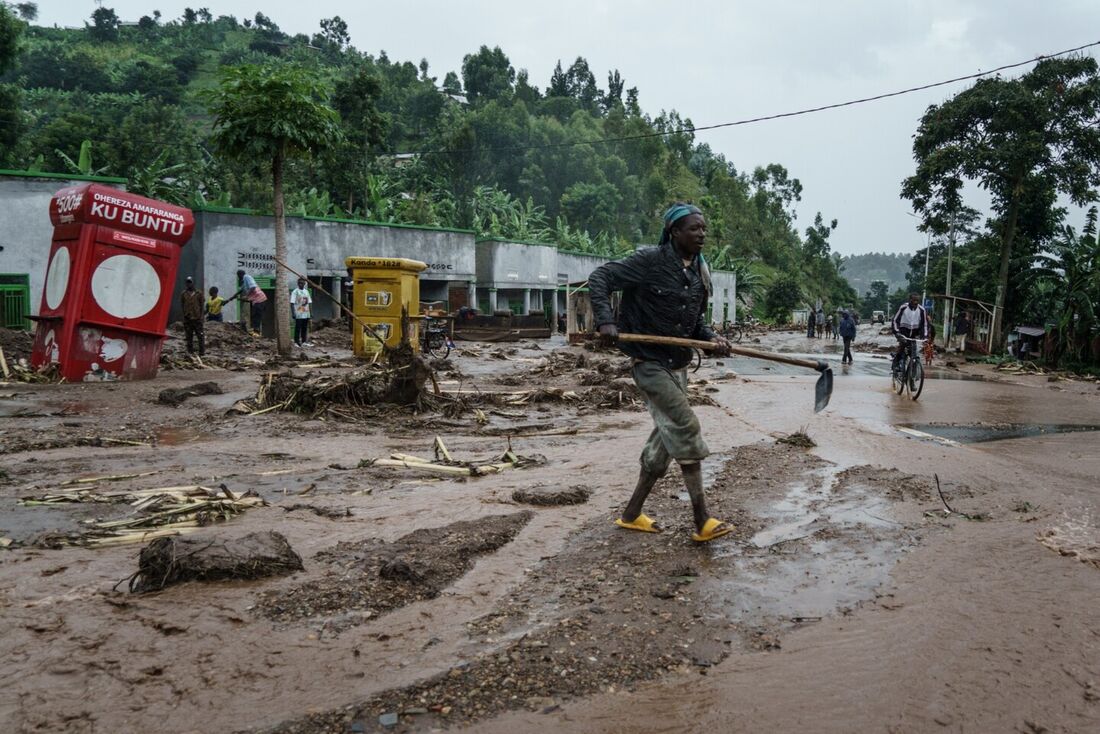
264,115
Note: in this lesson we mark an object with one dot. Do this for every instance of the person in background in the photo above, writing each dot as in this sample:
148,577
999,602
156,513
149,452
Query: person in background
930,344
214,305
191,301
847,330
347,297
962,331
835,320
257,299
300,300
811,318
830,327
820,325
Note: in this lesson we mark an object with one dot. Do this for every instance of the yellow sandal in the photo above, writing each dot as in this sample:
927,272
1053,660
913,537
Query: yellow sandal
712,529
642,523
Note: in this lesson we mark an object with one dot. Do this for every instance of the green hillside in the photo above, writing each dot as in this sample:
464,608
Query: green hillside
862,270
579,164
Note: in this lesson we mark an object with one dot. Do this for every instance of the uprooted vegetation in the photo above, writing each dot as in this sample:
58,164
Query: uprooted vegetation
402,382
155,512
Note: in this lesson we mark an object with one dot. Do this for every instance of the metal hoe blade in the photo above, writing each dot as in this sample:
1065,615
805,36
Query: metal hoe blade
823,390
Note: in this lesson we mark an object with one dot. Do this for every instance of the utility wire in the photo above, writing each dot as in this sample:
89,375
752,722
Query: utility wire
781,115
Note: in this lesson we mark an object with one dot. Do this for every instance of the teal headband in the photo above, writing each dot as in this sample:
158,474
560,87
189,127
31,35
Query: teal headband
679,211
675,212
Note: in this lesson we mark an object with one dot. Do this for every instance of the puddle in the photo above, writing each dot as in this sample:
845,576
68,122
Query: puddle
983,433
867,365
849,546
176,436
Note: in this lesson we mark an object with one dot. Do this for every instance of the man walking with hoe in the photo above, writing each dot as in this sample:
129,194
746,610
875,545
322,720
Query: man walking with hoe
665,292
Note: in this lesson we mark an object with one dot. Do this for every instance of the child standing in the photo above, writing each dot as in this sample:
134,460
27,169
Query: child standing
300,301
214,305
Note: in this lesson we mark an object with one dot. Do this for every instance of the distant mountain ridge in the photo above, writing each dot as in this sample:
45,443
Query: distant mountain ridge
861,270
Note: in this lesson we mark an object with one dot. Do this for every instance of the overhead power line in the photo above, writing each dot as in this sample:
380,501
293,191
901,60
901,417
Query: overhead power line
765,118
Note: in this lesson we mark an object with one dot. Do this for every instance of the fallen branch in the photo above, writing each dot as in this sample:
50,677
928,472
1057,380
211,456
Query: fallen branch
111,478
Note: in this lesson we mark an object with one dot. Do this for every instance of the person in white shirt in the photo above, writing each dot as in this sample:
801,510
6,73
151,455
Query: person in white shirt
300,301
910,321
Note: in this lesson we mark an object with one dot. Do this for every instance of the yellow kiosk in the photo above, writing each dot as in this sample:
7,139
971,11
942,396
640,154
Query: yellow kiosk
386,292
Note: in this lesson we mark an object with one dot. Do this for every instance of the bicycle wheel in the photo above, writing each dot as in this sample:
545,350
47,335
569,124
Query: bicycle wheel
897,377
426,343
441,348
915,378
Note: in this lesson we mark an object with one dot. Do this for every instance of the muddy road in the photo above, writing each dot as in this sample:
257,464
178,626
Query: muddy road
848,597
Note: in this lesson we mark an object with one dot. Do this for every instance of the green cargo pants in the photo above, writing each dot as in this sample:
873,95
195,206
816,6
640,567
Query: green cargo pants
676,431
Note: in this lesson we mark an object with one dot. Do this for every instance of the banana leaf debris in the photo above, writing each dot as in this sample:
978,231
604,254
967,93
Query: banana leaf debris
444,464
155,513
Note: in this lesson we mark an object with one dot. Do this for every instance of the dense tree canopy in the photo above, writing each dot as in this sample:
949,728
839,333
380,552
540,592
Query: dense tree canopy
578,164
1024,140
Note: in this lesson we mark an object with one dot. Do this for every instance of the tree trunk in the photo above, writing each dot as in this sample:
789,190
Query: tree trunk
1007,237
282,276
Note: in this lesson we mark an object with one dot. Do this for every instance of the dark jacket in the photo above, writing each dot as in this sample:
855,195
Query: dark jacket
193,305
847,327
660,296
962,325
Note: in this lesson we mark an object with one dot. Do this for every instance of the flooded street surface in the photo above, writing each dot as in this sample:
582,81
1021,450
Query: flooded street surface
848,597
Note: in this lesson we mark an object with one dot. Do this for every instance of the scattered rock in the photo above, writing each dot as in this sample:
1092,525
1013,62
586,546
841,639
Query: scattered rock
175,396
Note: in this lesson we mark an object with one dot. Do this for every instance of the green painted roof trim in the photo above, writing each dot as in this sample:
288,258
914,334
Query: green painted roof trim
62,176
506,241
226,210
391,224
590,254
337,220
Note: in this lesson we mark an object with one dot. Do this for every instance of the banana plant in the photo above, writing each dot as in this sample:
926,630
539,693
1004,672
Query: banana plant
83,165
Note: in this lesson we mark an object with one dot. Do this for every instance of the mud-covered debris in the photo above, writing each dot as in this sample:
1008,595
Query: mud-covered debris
168,561
798,439
399,570
175,396
17,344
331,333
330,512
371,577
575,495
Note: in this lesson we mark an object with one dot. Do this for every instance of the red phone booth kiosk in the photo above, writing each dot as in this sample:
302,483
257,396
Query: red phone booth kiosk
109,283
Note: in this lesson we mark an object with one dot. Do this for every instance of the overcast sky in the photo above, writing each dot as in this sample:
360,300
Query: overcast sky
723,61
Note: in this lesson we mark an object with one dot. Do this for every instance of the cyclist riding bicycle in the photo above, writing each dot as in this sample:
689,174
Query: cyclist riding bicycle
910,322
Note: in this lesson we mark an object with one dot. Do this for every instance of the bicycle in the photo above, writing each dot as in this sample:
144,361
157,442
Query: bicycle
733,331
909,376
434,339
